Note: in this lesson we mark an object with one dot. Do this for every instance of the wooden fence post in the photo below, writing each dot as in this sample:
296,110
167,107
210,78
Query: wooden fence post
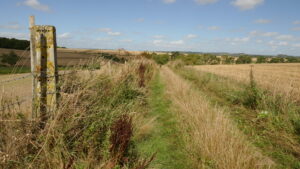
33,62
45,93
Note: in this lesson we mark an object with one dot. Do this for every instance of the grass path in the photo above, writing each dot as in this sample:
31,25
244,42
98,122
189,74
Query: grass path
165,139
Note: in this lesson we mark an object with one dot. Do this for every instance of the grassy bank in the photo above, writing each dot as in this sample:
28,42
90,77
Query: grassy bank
165,139
93,126
269,121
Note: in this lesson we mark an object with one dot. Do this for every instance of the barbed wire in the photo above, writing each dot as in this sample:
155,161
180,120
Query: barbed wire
15,79
16,66
7,106
36,74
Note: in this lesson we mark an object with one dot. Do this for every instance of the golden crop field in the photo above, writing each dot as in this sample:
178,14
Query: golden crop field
278,78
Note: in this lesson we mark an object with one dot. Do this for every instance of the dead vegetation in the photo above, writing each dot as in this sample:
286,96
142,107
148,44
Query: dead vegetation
92,128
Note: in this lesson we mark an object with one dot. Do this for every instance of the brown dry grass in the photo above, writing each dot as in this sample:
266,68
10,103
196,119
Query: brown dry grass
211,135
71,138
278,78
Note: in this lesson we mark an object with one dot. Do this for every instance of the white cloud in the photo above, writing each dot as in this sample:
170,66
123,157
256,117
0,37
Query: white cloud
285,37
283,43
114,33
109,31
255,33
66,35
270,34
296,45
247,4
11,26
105,29
296,22
245,39
35,4
169,1
178,42
262,21
156,42
204,2
275,44
296,29
14,35
214,28
126,40
191,36
259,41
140,19
158,36
272,43
264,34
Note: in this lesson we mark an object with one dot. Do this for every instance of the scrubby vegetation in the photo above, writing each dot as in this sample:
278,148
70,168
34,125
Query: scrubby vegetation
9,59
92,128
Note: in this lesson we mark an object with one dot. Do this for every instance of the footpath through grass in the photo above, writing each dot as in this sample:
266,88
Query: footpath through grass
264,126
165,139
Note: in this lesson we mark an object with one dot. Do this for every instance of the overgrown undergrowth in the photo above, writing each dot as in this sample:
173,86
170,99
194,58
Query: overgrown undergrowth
92,128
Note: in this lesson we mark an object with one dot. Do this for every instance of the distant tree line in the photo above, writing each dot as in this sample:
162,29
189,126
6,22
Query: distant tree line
14,43
211,59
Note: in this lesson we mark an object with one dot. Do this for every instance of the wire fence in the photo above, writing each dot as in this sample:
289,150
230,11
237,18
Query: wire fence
23,93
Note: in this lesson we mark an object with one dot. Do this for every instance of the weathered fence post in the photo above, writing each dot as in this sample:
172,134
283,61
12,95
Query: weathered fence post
45,93
33,62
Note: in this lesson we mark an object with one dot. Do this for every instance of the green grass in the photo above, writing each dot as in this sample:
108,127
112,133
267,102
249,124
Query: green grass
165,139
8,70
270,132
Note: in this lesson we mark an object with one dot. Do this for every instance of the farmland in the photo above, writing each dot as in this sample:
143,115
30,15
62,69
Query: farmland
204,116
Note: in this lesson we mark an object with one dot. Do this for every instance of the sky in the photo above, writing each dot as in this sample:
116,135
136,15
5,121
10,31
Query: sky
237,26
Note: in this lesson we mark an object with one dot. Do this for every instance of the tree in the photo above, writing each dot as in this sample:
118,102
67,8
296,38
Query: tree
277,60
261,59
175,55
244,59
229,59
293,59
161,59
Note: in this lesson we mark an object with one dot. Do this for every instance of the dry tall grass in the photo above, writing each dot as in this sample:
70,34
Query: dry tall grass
278,78
211,136
92,127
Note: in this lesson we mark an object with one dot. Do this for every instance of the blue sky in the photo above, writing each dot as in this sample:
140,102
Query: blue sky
248,26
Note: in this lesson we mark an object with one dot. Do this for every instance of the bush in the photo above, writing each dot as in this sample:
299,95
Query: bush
244,59
229,59
161,59
277,60
261,59
10,59
251,96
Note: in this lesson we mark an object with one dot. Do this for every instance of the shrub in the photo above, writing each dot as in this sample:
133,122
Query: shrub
277,60
251,96
229,59
10,59
261,59
244,59
161,59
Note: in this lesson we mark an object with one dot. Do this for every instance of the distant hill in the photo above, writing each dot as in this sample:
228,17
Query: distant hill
14,43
